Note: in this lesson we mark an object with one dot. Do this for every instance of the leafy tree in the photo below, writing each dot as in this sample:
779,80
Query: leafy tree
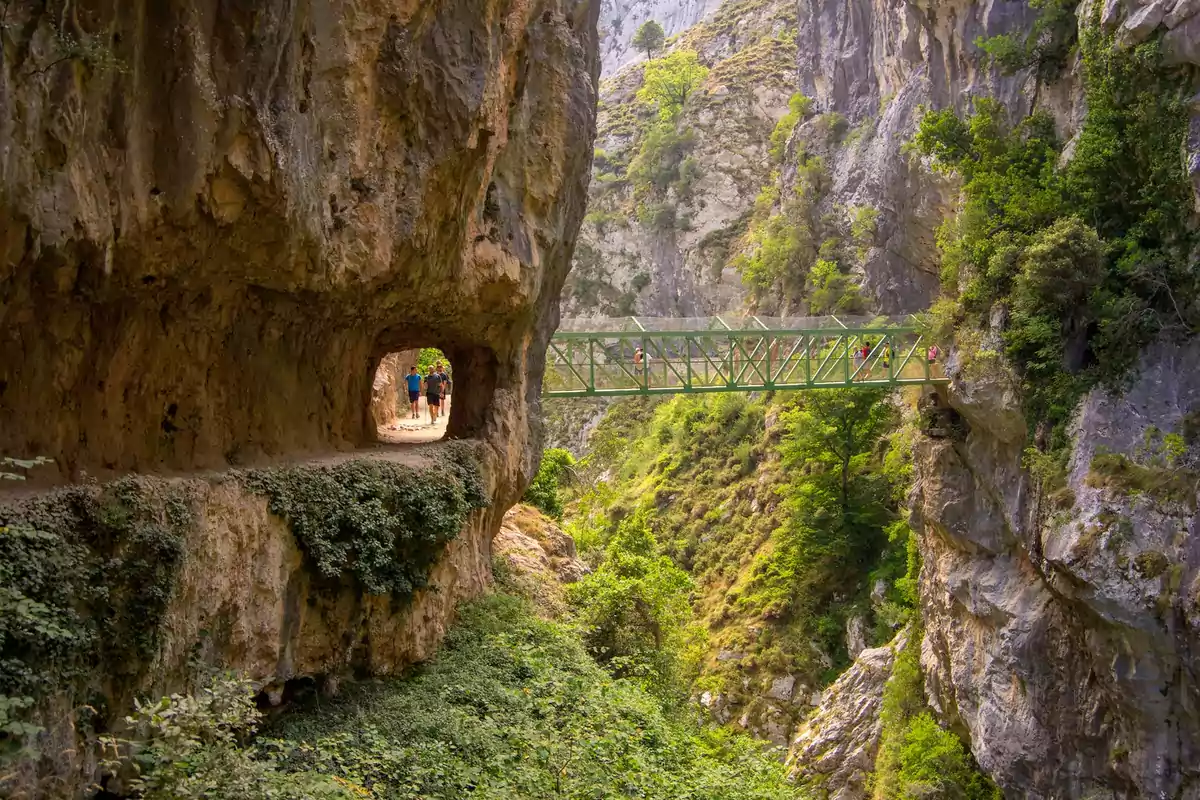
841,510
649,37
1047,46
430,356
798,108
634,609
667,82
543,491
1060,269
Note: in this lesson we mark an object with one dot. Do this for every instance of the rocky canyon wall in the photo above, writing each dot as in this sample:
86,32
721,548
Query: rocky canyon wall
1062,631
215,220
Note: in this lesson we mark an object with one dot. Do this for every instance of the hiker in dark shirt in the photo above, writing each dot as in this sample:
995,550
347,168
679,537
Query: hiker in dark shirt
433,394
413,381
445,409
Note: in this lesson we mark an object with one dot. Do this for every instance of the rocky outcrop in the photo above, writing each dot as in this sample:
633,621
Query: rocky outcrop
1061,631
834,749
215,222
539,558
620,19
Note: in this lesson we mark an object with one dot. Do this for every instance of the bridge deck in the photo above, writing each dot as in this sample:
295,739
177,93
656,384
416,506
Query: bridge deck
589,358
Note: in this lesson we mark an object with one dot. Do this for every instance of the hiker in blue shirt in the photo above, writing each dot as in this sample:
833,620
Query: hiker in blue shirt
413,379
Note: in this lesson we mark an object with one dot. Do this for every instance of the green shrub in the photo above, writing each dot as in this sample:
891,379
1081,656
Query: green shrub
662,162
832,291
513,708
86,574
831,126
544,490
380,523
934,764
194,747
798,108
1047,46
917,758
634,610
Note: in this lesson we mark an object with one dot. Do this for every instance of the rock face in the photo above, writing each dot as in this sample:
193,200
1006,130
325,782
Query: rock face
627,263
217,219
214,222
539,556
836,746
1063,639
874,64
620,19
389,386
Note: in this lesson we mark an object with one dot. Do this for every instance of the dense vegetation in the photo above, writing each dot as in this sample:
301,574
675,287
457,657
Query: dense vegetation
513,707
380,523
1091,254
917,758
85,576
785,529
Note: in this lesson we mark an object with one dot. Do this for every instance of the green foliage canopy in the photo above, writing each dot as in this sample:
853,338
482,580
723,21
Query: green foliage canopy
635,609
649,37
543,491
667,82
843,523
1092,256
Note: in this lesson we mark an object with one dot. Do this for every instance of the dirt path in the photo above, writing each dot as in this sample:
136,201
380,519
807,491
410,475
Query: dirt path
411,442
412,431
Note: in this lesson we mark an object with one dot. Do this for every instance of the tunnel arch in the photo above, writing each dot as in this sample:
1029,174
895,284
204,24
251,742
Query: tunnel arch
473,385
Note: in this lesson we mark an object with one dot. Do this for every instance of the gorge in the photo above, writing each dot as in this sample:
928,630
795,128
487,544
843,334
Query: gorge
227,228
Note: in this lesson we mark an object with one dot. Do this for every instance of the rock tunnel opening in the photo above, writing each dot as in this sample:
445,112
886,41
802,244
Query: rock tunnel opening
462,404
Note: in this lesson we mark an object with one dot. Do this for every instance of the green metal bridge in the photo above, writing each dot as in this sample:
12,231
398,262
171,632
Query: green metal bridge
600,357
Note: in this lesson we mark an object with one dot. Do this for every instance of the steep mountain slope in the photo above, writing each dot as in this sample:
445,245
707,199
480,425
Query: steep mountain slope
1055,515
620,19
661,216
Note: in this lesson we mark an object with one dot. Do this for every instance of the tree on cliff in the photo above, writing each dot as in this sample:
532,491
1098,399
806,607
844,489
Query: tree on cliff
649,38
667,82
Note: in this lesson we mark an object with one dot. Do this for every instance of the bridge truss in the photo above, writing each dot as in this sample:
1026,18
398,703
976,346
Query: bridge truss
597,357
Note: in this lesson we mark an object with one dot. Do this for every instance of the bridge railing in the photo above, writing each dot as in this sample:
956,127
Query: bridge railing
584,363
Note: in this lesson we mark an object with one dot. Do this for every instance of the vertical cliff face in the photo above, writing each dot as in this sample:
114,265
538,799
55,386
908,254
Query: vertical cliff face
216,220
665,250
620,19
1062,631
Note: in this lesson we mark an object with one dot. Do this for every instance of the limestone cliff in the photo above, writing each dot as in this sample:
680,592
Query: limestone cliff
215,223
668,255
620,19
1061,630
